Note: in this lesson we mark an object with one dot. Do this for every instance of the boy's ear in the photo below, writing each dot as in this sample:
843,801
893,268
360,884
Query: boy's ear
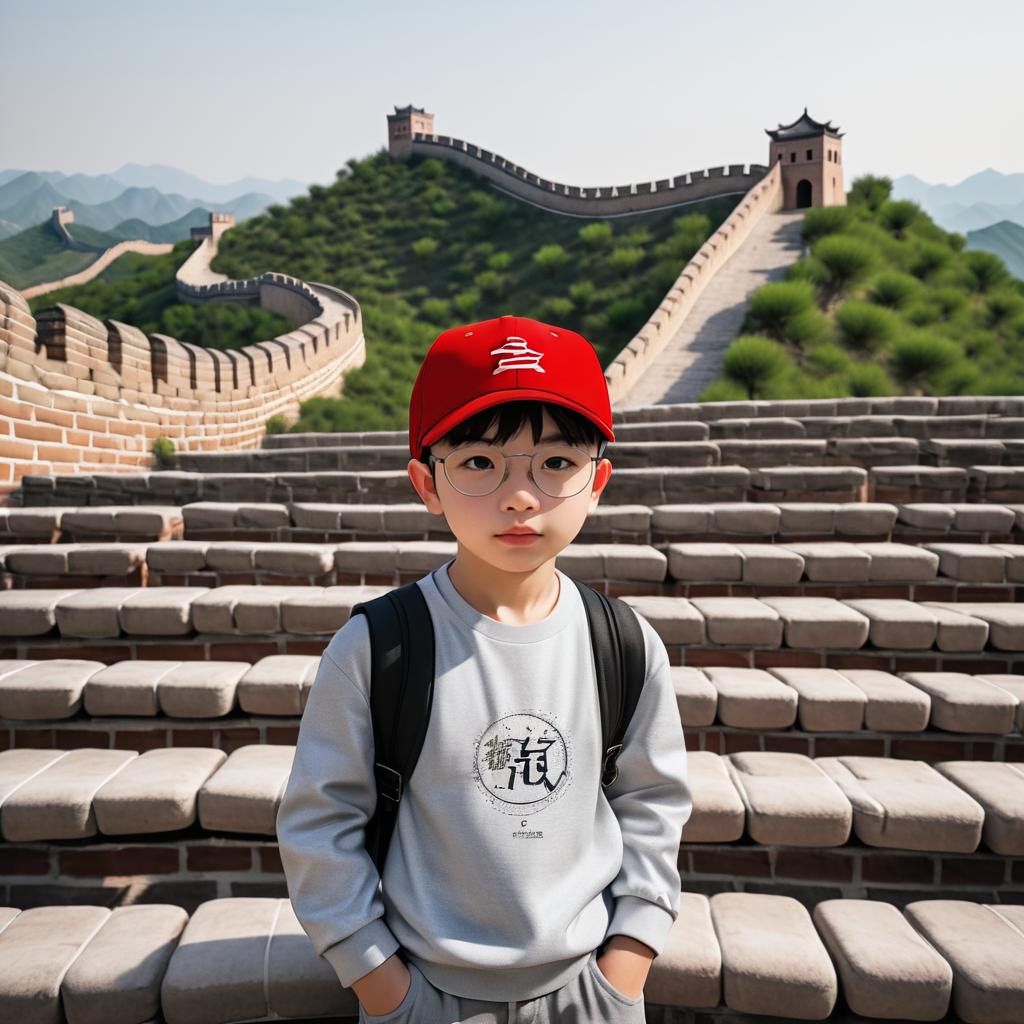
602,474
419,475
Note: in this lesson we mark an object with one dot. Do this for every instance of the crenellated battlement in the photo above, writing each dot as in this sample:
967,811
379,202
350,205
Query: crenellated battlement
88,395
586,201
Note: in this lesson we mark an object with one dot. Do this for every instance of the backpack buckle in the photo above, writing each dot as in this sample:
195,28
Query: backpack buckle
389,784
610,764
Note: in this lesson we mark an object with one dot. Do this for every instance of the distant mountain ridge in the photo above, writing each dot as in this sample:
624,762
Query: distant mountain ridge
981,200
1006,240
156,196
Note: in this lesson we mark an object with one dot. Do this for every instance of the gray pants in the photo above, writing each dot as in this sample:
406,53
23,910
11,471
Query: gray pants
588,999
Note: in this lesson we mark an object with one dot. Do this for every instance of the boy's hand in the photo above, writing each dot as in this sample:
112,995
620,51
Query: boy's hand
376,990
626,963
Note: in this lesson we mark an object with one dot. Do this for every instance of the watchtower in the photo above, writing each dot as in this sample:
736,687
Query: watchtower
402,124
811,155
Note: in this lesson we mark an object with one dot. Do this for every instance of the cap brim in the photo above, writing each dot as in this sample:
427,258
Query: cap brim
493,398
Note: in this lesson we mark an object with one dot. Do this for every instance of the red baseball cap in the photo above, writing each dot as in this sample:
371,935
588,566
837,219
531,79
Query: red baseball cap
507,359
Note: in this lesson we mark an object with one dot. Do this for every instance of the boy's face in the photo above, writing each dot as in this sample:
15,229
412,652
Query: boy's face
477,521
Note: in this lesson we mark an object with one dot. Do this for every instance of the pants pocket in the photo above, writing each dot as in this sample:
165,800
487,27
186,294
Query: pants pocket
609,987
401,1011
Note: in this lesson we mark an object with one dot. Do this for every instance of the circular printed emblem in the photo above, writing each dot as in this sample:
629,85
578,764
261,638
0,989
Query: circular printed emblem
522,763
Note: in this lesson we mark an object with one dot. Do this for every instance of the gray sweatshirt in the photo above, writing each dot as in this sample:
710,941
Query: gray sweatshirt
509,863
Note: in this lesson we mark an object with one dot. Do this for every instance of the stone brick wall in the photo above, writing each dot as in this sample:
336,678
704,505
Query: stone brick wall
80,395
99,265
765,196
602,201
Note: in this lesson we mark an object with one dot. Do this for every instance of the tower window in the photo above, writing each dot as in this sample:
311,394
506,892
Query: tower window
792,158
809,152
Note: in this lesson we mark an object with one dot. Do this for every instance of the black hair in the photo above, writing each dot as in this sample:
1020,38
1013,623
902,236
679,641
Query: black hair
510,417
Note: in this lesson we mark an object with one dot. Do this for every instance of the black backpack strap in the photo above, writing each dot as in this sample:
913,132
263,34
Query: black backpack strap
401,695
620,660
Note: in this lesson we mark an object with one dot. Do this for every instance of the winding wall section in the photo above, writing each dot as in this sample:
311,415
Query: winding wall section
81,395
638,356
59,221
602,201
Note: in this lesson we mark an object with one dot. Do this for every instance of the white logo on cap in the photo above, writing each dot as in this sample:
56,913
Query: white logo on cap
519,356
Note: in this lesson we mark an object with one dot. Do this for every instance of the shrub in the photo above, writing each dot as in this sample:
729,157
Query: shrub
752,362
499,261
827,359
550,257
625,258
918,359
1002,307
638,236
898,215
987,269
721,389
871,191
865,327
773,306
467,302
277,424
582,294
490,282
437,311
927,257
948,301
163,452
597,235
489,210
824,220
922,313
893,289
430,167
623,312
865,379
556,309
807,269
424,248
595,325
846,260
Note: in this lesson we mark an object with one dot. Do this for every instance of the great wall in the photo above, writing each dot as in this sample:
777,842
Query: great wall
838,584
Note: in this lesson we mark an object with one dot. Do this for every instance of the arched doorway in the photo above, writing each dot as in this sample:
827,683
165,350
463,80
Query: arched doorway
803,193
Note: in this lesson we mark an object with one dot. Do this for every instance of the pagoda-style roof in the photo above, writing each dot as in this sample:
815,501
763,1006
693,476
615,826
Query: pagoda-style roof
803,127
408,109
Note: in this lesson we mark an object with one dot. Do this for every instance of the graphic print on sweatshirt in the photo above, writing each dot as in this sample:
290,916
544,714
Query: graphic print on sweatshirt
522,763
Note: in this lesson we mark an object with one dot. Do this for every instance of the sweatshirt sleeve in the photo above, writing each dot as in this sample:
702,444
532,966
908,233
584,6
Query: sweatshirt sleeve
652,801
330,797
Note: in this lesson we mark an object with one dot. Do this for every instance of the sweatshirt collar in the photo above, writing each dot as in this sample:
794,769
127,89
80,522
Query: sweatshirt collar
558,618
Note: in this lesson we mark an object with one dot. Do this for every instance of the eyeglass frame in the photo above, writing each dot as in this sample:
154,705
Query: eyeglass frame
432,459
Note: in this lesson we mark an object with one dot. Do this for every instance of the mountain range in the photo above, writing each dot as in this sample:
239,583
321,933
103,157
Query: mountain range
155,195
979,201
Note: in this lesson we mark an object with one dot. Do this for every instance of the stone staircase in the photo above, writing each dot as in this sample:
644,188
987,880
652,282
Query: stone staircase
839,587
692,357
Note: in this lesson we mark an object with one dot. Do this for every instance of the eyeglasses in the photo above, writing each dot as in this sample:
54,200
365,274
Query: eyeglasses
559,470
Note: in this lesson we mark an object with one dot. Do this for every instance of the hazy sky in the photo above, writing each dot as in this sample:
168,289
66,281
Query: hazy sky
589,93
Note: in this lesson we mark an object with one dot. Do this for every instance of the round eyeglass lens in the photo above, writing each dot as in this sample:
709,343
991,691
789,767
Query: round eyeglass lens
560,470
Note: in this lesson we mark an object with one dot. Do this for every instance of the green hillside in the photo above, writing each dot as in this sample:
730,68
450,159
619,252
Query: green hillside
36,255
885,303
426,245
139,290
1005,239
175,231
83,233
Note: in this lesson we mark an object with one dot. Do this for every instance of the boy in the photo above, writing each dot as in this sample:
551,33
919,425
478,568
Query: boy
510,863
